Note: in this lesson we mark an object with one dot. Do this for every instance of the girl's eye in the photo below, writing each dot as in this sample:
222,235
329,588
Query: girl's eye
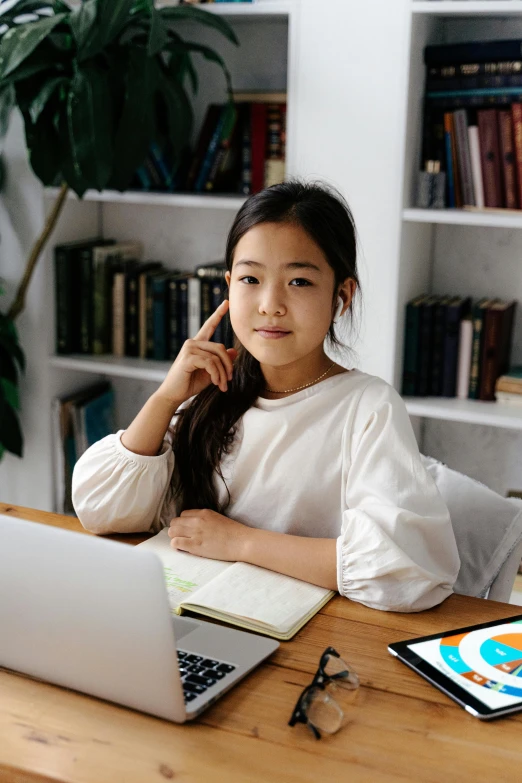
248,277
301,281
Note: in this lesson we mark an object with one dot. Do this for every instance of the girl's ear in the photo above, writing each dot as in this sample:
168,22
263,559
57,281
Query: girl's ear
227,278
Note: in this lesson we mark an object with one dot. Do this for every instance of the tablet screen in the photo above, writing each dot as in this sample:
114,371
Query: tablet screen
487,662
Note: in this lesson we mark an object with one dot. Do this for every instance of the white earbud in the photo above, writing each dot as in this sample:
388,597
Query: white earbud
340,305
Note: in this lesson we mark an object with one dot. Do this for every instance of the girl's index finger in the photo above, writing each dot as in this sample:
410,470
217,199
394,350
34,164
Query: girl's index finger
211,324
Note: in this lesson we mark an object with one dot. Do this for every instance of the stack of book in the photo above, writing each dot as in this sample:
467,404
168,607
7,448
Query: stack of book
508,387
472,127
78,420
109,301
456,347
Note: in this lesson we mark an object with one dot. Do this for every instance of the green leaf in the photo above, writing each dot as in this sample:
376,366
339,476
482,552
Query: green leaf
82,20
7,101
11,393
19,42
203,17
112,17
136,128
44,58
90,124
46,150
158,35
39,103
7,366
179,113
10,433
208,54
10,344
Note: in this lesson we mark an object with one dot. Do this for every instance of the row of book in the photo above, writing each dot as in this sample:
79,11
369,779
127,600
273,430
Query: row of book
455,346
109,301
78,420
241,148
472,125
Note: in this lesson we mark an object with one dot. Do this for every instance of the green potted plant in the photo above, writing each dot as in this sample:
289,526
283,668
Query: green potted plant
96,82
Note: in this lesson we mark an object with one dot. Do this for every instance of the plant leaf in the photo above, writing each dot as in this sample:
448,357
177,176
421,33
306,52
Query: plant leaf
38,104
7,101
11,393
198,15
90,125
112,17
81,21
136,128
7,366
158,35
19,42
179,113
10,433
208,54
10,344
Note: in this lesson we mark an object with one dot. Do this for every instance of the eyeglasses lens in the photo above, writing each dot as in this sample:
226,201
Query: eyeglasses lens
341,673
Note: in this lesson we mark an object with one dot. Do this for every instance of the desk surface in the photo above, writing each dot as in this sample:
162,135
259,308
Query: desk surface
401,729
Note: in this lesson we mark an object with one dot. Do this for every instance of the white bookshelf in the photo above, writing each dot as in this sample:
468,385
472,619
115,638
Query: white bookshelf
151,199
490,414
501,218
467,7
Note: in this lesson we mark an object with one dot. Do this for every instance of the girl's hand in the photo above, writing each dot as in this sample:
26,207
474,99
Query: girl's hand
200,363
209,534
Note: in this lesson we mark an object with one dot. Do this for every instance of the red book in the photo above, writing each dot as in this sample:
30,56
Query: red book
498,335
507,158
490,157
516,113
258,135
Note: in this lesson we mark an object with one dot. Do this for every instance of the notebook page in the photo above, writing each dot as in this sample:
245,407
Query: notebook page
184,573
247,591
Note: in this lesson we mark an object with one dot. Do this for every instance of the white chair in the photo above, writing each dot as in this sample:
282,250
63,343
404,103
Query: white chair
488,532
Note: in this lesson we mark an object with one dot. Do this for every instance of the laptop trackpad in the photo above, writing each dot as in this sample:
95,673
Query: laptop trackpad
183,626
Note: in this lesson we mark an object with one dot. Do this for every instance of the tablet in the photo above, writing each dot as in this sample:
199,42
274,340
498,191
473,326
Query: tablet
479,667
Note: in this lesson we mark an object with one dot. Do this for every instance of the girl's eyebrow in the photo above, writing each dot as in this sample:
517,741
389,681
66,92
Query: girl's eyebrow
291,265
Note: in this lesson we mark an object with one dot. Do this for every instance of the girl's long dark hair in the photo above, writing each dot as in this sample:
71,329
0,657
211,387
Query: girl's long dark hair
205,430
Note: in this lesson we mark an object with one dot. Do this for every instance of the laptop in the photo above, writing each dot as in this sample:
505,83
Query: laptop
92,615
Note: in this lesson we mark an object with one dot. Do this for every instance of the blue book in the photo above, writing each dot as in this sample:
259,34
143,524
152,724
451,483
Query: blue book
212,150
450,174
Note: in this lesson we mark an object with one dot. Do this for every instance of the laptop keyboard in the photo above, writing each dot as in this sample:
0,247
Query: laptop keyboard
198,673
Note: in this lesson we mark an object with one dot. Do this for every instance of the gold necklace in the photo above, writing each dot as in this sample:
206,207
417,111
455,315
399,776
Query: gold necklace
301,387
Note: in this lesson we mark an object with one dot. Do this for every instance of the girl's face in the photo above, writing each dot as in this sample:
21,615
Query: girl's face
280,279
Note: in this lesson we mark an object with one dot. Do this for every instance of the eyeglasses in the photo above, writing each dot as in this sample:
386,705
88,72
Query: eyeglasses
316,705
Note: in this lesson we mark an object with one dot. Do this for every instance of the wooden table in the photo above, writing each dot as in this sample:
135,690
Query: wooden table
400,729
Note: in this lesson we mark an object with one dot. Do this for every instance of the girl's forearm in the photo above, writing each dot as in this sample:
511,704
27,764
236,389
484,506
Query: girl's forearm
146,433
313,560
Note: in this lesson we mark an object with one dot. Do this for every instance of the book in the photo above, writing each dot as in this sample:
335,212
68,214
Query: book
456,310
410,372
507,159
205,134
439,333
160,323
104,260
221,128
241,594
133,314
450,162
476,166
478,313
194,305
274,160
473,52
464,358
468,70
464,156
509,397
516,115
498,334
510,381
490,157
258,144
425,347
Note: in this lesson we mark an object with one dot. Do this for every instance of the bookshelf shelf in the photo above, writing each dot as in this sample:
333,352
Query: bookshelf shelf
267,9
490,414
193,200
113,366
461,217
467,7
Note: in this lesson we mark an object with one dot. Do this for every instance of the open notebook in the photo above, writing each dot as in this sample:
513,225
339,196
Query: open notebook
238,593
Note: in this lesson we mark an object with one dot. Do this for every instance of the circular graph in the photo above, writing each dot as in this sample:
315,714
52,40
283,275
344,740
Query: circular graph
489,657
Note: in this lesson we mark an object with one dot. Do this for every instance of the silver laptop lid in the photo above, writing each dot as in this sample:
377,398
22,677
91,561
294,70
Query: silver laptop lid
88,614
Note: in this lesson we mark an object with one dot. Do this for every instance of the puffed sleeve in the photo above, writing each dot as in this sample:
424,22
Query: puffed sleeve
397,549
117,491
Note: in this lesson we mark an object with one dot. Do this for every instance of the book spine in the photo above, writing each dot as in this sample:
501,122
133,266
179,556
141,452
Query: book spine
507,159
464,158
258,144
174,342
450,177
437,363
516,114
246,152
425,348
118,314
183,303
159,319
451,350
101,295
470,99
476,351
63,287
194,306
216,297
225,141
131,316
142,316
464,358
490,354
211,152
86,300
465,70
476,167
473,82
410,371
473,52
490,157
205,303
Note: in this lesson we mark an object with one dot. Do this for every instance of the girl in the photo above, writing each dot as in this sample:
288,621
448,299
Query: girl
276,455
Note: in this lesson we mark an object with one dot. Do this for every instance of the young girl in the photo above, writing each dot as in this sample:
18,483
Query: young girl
271,453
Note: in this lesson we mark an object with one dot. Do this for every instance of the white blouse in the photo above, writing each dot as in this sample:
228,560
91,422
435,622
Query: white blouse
337,460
